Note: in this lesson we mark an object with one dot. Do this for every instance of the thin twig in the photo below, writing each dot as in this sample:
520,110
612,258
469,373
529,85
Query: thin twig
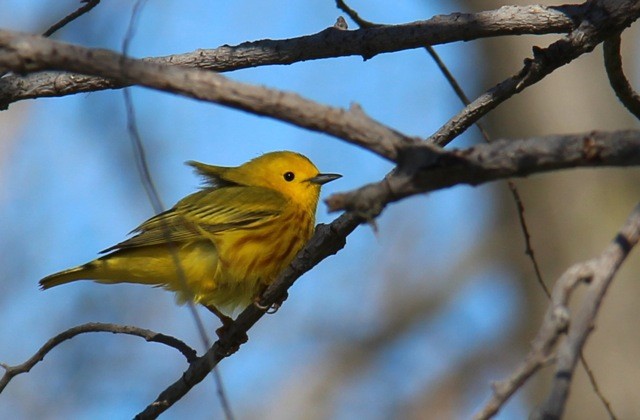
151,336
527,237
355,16
154,198
596,388
60,24
621,86
90,4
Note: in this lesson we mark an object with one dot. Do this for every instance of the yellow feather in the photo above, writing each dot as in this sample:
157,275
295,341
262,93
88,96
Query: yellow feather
232,238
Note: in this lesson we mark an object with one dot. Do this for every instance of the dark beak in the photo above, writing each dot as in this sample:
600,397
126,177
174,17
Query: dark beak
322,179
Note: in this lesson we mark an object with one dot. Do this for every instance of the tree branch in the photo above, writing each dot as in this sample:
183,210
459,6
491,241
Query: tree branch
621,86
601,20
331,42
151,336
424,171
29,53
327,240
598,273
601,273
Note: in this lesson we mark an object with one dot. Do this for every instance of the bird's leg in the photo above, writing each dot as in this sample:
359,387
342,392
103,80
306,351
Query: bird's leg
226,320
223,330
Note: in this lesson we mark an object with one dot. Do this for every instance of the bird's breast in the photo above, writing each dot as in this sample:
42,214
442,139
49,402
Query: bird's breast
260,253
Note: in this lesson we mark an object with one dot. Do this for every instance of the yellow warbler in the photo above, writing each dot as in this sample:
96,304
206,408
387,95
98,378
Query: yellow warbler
231,239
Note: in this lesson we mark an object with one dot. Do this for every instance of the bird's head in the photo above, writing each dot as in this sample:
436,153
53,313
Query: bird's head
290,173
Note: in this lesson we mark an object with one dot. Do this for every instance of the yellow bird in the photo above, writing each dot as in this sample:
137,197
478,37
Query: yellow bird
232,238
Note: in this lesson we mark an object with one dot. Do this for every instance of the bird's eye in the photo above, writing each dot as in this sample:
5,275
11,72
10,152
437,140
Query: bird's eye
289,176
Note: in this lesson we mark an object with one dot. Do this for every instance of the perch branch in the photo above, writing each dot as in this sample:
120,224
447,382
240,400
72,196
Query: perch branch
327,240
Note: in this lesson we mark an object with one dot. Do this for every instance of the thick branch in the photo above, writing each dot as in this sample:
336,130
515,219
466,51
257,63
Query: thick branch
424,171
327,240
331,42
151,336
602,19
28,53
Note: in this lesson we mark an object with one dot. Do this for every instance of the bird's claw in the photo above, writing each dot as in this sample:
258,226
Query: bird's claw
270,309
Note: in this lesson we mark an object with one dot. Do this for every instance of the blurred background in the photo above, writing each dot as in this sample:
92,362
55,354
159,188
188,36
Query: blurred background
413,322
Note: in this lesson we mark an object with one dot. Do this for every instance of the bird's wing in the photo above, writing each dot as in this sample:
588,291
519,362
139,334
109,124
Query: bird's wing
208,211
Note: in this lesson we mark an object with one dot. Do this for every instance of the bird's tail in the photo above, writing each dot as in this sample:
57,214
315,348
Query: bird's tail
81,272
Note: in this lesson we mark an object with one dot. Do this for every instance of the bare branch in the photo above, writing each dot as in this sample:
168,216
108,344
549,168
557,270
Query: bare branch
596,388
556,321
528,249
422,167
485,135
151,336
621,86
601,20
327,240
598,273
511,185
26,53
602,271
424,171
331,42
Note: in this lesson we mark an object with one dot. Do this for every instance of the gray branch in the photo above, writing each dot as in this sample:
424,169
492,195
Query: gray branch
597,274
423,169
331,42
601,20
28,53
151,336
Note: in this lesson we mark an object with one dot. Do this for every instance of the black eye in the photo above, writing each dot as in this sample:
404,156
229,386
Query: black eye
289,176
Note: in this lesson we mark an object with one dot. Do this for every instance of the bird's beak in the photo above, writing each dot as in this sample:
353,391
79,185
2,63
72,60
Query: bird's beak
322,179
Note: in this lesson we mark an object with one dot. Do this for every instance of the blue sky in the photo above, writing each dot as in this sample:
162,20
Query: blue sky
69,188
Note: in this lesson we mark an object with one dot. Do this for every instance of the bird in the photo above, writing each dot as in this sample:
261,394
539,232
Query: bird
224,244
